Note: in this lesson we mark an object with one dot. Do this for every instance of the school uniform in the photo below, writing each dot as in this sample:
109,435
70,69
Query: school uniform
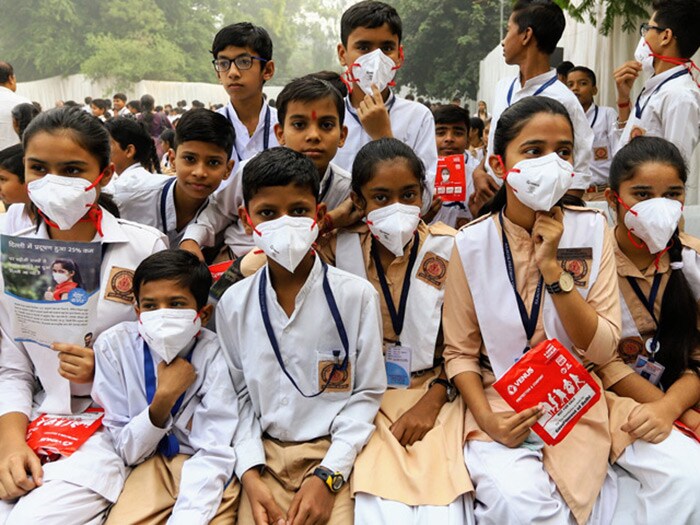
667,107
16,219
203,426
151,201
455,212
79,487
130,175
278,427
247,145
8,100
222,212
411,123
602,120
426,481
509,91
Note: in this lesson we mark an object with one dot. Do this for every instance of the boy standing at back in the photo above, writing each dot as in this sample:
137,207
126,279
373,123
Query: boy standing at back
303,342
534,29
243,63
370,34
582,83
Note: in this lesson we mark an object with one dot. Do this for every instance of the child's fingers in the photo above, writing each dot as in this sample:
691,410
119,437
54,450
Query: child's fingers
293,507
19,476
70,349
377,95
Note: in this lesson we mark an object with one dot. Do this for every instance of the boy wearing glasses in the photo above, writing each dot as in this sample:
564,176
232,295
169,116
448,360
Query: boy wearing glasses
669,104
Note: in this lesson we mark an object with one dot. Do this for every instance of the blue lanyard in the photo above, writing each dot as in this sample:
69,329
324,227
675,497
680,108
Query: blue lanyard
336,319
397,318
168,446
348,108
539,90
638,111
163,199
266,136
648,303
595,117
326,187
529,321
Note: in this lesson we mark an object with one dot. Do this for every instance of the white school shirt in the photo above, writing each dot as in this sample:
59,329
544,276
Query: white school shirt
583,135
668,108
603,120
128,244
8,100
411,123
16,219
130,175
247,146
451,212
204,425
267,400
151,201
222,212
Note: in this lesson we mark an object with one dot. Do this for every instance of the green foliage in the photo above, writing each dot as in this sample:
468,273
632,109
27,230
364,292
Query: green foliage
631,12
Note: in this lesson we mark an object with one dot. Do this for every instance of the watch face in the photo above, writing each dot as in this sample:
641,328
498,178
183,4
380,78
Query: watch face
337,482
566,282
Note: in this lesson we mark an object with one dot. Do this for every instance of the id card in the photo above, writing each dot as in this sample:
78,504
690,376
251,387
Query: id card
53,436
398,366
649,370
549,376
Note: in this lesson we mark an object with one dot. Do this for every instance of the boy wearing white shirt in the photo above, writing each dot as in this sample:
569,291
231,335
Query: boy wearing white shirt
370,34
669,104
13,191
303,342
534,29
582,83
203,143
312,115
170,406
243,63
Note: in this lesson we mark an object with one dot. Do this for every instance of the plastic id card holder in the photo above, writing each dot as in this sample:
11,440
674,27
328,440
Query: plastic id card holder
649,370
398,366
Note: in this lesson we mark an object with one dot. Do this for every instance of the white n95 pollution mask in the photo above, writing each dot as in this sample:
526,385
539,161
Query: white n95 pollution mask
654,221
63,200
286,240
372,68
541,182
168,331
394,225
644,54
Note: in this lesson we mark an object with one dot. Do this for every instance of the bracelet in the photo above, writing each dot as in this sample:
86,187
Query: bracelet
623,106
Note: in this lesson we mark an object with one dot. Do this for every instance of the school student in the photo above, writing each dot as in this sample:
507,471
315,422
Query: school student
243,63
452,132
669,104
659,277
169,402
201,160
119,105
370,49
13,191
167,140
534,28
410,471
67,165
304,346
533,270
311,113
582,83
133,152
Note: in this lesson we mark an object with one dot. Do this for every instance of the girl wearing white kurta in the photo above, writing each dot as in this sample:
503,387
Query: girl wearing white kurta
67,163
417,447
500,268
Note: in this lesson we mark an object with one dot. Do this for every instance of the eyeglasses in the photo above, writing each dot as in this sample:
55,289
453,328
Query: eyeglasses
242,63
645,27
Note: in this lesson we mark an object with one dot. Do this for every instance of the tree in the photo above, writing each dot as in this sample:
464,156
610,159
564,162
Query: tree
630,11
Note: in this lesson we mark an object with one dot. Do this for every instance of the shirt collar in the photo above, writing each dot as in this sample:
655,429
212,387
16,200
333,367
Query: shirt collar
654,81
535,81
315,278
626,268
111,229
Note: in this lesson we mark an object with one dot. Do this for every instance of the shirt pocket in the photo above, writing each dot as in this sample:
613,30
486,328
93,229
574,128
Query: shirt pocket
333,370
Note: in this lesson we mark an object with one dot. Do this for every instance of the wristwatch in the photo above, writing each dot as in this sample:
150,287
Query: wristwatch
450,389
564,285
334,480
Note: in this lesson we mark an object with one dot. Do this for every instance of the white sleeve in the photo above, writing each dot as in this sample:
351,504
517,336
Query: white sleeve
134,437
680,118
16,375
426,150
354,424
206,473
247,440
583,146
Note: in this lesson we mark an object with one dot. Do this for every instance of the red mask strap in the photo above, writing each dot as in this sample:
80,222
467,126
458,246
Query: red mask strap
97,181
624,205
250,223
635,243
47,220
94,216
401,59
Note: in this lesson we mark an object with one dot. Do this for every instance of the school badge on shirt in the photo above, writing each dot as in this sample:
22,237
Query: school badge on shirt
340,379
576,261
600,153
433,270
119,286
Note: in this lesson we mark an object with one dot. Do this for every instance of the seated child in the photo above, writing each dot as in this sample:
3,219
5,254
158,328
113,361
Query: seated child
13,191
311,114
307,396
169,403
133,151
418,442
203,142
